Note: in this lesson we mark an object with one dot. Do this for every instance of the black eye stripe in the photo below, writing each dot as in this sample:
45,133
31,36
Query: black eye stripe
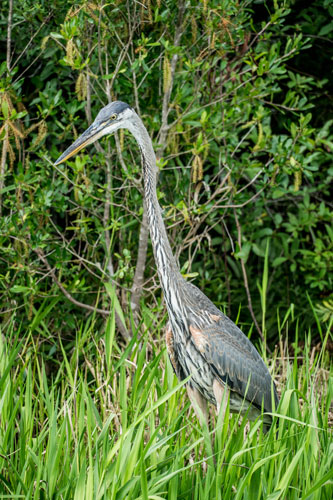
109,120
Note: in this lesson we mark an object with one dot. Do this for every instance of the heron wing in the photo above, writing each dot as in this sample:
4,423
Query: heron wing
234,360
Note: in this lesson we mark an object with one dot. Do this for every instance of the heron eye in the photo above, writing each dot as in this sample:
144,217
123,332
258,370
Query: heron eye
113,117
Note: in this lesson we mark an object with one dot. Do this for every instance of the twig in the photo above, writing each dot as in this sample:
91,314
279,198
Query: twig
226,273
45,21
104,312
3,163
88,104
138,279
85,262
9,35
241,205
106,216
43,258
246,284
258,35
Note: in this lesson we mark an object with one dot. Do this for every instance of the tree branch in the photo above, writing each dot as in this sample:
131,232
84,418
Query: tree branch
3,163
125,334
246,284
9,35
138,279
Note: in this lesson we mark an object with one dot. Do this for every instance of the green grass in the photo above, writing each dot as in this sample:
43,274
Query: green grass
109,422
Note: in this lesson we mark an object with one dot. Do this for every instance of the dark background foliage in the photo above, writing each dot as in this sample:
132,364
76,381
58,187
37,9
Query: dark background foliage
237,97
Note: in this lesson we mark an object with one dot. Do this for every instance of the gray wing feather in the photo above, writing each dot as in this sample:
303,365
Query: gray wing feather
231,355
236,362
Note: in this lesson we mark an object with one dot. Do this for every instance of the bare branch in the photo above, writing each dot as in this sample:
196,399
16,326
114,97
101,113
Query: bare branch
246,284
3,162
9,35
45,21
125,334
140,264
109,264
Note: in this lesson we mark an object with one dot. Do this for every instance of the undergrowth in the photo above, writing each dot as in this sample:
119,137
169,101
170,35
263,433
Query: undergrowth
107,421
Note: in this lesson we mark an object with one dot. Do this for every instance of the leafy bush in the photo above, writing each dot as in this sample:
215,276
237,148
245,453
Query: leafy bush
244,157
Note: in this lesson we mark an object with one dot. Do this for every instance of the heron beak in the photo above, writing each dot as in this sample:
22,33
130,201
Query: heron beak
94,132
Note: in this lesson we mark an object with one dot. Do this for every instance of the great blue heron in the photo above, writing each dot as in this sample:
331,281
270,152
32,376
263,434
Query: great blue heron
201,341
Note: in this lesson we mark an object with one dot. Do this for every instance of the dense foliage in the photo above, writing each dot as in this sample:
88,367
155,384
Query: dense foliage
240,125
235,95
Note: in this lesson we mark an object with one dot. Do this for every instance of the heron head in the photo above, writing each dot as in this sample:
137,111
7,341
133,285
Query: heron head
112,117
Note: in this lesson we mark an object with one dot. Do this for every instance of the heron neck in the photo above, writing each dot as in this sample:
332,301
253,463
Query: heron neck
164,257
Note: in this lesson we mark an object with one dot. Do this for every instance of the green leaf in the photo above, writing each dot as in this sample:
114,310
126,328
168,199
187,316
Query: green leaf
20,289
325,30
245,251
4,107
278,261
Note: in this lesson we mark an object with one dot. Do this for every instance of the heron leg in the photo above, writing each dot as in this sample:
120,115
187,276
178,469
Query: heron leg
221,393
199,404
